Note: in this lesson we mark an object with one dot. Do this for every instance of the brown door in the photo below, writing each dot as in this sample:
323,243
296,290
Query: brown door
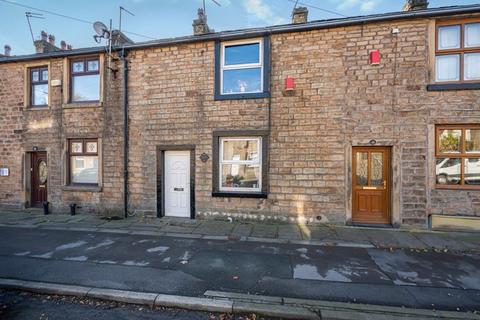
39,173
371,185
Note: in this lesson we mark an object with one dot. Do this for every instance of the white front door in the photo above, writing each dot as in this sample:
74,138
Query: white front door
177,184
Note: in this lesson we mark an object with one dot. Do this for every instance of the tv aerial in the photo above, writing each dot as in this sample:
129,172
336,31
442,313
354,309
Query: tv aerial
101,31
30,15
214,1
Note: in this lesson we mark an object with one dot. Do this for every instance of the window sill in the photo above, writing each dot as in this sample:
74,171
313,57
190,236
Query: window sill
241,96
37,108
457,187
84,188
87,104
453,86
226,194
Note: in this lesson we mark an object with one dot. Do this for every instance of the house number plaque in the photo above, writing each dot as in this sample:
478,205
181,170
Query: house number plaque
4,172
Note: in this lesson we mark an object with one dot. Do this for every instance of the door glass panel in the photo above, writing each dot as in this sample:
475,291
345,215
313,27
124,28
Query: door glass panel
448,171
449,141
362,169
42,172
377,168
472,171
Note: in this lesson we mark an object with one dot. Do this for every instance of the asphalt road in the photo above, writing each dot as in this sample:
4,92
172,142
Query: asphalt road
189,267
27,306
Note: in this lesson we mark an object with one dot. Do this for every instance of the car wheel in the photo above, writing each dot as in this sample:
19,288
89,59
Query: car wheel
442,179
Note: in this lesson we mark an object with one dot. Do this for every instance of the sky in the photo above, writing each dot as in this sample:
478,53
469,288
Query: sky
157,19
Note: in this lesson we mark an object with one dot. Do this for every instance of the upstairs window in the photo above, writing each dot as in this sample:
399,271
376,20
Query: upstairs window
39,86
458,52
242,67
85,80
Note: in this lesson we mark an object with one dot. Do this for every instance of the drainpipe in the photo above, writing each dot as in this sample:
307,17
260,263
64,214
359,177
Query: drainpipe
125,132
269,107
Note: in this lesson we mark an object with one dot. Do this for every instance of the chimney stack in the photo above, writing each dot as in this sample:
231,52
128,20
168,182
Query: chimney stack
45,44
63,45
69,47
51,39
119,38
200,25
412,5
8,50
300,15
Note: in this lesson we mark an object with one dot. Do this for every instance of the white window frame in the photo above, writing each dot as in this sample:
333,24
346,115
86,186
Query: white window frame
258,162
224,67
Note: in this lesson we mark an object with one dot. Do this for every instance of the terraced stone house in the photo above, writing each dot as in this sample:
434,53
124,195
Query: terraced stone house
362,120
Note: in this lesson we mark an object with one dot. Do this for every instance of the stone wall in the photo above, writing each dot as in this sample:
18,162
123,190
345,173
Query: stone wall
23,128
340,101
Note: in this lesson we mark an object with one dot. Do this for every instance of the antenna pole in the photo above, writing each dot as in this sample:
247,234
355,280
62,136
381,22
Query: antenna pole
30,26
29,15
110,47
120,20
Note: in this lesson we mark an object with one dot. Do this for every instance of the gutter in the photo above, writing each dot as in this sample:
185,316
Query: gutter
257,32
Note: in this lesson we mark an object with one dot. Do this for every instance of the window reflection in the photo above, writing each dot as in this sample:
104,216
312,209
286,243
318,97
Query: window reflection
472,171
448,171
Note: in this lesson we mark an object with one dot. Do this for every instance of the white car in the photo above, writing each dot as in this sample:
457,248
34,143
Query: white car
448,171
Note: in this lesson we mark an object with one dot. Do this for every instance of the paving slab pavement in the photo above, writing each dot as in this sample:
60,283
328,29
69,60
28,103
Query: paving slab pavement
315,234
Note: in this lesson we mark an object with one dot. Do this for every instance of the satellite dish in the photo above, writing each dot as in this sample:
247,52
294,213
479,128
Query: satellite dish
101,29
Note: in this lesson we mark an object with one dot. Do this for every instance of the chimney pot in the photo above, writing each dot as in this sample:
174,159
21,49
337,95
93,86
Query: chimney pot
8,50
412,5
69,47
44,35
63,45
300,15
51,39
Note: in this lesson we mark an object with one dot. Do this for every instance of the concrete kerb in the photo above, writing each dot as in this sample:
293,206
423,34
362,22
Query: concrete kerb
160,300
343,310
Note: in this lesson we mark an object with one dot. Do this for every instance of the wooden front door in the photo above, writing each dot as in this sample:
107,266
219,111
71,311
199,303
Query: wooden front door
39,175
371,185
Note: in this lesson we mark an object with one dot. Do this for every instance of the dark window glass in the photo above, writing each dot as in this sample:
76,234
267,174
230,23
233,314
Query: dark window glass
39,86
